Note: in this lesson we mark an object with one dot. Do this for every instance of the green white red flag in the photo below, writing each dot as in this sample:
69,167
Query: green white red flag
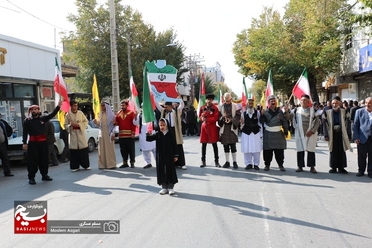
302,87
201,94
269,88
148,102
60,89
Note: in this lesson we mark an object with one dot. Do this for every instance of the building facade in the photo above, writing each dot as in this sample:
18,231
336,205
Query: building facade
27,72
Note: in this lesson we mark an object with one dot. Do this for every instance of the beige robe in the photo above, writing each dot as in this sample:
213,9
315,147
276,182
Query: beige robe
304,143
77,138
329,125
106,146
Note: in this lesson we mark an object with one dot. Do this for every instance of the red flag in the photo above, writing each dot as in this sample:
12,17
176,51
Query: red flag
60,89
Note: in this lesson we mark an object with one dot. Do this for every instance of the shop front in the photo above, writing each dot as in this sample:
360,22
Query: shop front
27,72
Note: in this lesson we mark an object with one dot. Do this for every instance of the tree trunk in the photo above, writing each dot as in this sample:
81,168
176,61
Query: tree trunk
312,85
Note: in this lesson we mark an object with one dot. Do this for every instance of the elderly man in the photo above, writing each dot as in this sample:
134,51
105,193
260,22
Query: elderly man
229,120
275,123
251,138
306,123
172,112
5,131
362,137
208,115
336,135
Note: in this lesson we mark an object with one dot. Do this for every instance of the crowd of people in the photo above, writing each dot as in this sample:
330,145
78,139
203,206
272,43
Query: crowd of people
262,131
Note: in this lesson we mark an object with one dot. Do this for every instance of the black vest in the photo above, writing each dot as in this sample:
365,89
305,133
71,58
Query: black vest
251,124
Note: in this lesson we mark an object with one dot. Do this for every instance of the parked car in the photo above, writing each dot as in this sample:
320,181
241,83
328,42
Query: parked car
15,151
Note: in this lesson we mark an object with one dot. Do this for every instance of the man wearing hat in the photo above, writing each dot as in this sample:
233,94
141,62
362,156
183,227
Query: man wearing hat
5,132
306,123
275,123
208,115
251,139
76,123
229,120
335,133
173,112
127,129
35,142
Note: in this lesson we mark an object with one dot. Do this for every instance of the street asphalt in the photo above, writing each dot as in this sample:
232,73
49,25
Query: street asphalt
212,207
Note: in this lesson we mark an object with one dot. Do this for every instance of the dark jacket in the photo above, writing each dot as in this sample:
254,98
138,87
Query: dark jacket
8,131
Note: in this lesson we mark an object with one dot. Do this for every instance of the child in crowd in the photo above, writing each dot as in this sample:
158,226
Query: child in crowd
166,156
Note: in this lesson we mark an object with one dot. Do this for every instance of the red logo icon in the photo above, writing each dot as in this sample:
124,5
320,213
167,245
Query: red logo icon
30,217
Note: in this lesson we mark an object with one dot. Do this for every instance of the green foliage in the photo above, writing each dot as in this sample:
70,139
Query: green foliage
308,36
89,47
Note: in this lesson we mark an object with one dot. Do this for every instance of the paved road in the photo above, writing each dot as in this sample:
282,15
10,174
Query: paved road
213,207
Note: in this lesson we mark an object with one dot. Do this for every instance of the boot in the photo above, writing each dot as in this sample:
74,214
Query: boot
217,164
203,164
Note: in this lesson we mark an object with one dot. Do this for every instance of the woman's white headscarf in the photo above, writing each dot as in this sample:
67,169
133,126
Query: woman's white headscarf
110,116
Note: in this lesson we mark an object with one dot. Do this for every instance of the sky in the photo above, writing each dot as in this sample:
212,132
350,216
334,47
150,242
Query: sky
205,28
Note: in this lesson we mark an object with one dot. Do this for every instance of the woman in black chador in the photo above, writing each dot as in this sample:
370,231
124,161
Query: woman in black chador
166,156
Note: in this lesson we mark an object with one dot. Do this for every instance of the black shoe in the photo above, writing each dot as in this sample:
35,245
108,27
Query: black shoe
359,174
124,165
9,174
226,165
217,164
281,168
131,165
248,167
46,178
53,164
32,181
203,164
256,167
235,165
342,170
148,166
333,170
267,168
299,169
64,160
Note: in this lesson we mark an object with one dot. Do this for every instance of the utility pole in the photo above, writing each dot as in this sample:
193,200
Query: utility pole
129,59
114,59
193,64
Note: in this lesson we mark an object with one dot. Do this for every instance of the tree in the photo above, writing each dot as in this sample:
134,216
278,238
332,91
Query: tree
89,46
307,36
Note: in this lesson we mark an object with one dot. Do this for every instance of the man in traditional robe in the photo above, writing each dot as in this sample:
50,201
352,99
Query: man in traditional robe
229,120
147,147
251,139
34,141
75,124
106,139
172,113
336,135
306,123
275,123
127,130
208,115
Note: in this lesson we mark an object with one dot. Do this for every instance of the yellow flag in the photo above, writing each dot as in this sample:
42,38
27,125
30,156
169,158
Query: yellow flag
263,100
61,118
195,105
95,98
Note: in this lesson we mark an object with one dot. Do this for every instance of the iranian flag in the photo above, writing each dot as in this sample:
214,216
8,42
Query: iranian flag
302,87
60,89
134,102
148,104
269,88
220,96
201,95
244,95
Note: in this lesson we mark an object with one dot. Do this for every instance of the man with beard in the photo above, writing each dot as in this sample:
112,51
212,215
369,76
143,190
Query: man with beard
229,122
75,124
125,119
208,115
336,135
35,142
275,123
251,138
306,123
172,113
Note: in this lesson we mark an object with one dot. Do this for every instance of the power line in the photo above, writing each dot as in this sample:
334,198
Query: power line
10,9
37,17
